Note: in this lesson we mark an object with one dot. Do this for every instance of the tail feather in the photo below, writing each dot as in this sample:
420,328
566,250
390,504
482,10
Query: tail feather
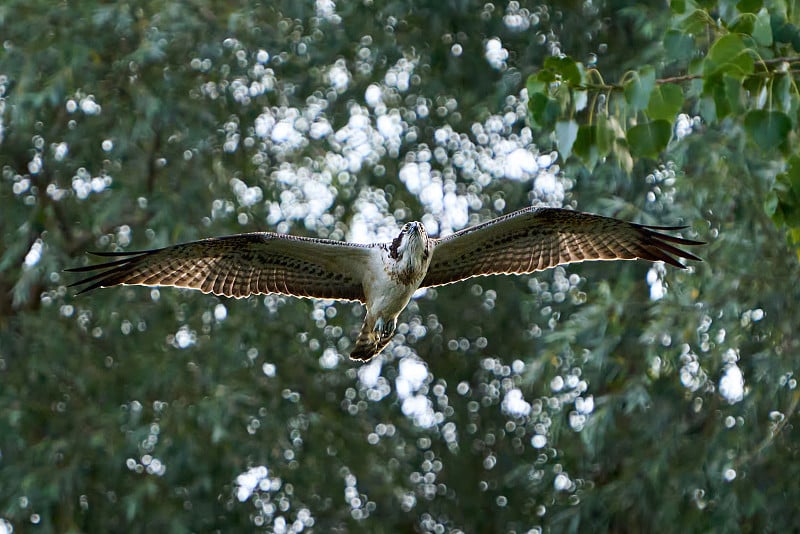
369,342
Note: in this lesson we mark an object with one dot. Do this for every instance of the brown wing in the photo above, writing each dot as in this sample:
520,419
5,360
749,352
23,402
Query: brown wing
242,265
535,239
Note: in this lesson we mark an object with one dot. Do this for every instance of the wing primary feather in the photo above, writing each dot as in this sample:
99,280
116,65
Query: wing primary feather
665,252
662,242
650,232
122,254
90,268
110,271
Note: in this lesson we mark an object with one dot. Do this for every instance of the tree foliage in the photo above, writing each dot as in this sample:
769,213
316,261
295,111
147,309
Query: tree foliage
623,397
730,65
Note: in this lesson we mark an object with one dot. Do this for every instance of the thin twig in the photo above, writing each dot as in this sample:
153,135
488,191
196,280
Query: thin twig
773,433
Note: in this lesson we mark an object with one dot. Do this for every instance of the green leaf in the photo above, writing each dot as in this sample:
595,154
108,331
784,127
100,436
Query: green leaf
782,31
749,6
637,91
585,146
678,46
769,129
735,95
753,85
649,139
762,31
604,136
695,23
744,24
720,95
784,198
546,76
693,89
535,86
771,204
544,110
782,93
594,141
665,102
726,48
792,175
708,110
566,132
537,98
565,67
728,55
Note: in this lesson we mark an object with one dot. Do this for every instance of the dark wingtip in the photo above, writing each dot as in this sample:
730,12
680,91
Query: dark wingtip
103,274
90,287
85,289
662,247
121,254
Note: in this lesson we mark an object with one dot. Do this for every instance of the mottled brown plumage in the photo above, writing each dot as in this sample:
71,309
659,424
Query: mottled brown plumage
385,275
535,239
241,265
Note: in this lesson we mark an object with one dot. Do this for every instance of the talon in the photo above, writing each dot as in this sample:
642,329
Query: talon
385,328
388,328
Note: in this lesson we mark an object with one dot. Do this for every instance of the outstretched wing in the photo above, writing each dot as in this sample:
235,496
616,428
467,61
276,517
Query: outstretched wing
242,265
535,239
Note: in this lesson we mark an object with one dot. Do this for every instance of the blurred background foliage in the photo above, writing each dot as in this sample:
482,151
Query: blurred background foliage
618,397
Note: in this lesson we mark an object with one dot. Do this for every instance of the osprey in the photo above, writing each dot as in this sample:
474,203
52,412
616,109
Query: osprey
383,276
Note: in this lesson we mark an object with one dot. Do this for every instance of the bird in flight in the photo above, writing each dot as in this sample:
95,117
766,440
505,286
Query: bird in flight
384,276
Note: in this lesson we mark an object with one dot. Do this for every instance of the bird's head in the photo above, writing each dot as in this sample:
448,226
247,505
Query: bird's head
412,248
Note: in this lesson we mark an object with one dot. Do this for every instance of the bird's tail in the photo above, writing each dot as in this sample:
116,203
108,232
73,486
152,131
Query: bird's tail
370,342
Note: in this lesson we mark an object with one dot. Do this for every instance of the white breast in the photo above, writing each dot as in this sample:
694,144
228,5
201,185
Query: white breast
386,296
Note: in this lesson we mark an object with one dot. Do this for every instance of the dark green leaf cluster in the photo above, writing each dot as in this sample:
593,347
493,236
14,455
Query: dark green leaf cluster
731,65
